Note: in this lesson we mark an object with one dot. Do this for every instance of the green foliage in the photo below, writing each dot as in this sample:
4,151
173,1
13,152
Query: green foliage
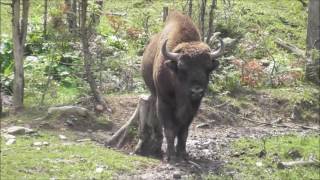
6,60
258,24
300,94
117,42
64,160
226,80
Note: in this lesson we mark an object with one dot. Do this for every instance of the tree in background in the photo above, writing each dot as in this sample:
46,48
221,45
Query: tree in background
313,42
202,14
71,11
190,8
45,19
85,34
19,33
211,18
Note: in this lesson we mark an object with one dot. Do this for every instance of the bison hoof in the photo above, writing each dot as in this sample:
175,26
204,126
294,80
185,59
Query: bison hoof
172,159
178,158
183,156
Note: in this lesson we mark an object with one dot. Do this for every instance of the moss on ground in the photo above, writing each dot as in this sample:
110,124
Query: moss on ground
61,160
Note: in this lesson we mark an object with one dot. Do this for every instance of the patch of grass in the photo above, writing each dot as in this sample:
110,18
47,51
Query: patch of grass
303,93
60,96
247,166
27,116
64,161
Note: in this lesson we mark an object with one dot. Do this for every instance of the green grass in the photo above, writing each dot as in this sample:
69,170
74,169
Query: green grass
75,161
246,167
27,116
299,94
55,96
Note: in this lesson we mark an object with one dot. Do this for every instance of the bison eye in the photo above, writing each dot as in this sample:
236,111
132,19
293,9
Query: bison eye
182,66
172,65
214,65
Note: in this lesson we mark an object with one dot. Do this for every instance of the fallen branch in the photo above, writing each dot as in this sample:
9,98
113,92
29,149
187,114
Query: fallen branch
222,104
282,165
302,126
116,14
6,4
274,123
291,48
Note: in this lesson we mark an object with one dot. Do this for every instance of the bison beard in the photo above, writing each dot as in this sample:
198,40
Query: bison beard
176,66
177,80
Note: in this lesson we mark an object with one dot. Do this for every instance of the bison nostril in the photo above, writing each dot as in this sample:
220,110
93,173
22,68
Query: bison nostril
197,90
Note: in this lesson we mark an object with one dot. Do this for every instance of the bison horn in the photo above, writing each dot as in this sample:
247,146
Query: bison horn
167,54
218,52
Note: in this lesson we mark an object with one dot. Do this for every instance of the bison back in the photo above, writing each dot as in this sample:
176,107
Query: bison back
148,61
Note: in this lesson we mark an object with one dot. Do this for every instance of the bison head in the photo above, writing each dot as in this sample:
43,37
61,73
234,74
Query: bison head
192,63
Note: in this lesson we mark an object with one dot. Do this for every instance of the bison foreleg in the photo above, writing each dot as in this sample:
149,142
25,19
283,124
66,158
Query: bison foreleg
170,136
181,145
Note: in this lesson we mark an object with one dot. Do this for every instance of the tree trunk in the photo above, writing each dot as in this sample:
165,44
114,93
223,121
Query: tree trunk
19,32
150,130
0,73
211,18
313,42
201,17
190,8
165,13
79,14
45,19
87,58
71,16
74,14
0,88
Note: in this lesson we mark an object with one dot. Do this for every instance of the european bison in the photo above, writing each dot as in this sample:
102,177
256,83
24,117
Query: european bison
176,67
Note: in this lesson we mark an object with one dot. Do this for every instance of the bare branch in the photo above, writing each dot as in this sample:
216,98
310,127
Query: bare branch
291,48
289,164
24,20
6,3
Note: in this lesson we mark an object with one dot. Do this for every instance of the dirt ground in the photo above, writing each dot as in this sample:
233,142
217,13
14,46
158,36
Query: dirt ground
218,123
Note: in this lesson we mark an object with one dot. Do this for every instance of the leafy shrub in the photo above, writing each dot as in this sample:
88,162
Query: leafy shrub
117,42
227,79
252,73
6,60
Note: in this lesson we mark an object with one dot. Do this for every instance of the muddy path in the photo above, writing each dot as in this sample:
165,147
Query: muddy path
216,126
209,150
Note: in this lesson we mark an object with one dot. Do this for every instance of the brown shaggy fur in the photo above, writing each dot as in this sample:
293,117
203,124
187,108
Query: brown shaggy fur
192,48
173,84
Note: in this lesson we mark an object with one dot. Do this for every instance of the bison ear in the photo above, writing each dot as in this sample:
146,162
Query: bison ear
172,65
215,64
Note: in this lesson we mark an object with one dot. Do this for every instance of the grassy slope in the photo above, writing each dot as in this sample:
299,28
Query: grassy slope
276,147
61,160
